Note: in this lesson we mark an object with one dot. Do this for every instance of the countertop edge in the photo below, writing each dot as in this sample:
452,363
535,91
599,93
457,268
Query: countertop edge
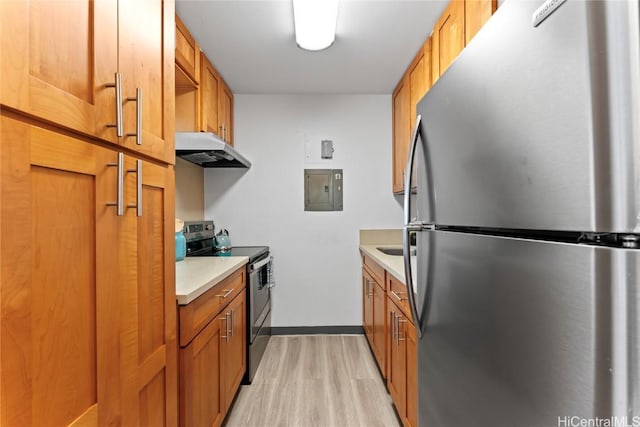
186,298
392,264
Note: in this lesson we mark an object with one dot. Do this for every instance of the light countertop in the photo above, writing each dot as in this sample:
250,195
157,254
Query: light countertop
393,264
196,275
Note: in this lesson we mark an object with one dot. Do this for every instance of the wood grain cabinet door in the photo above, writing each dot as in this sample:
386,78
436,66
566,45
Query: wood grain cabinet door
412,374
233,348
401,132
148,334
396,376
447,38
59,60
60,285
379,324
209,91
225,113
476,14
200,369
146,51
367,305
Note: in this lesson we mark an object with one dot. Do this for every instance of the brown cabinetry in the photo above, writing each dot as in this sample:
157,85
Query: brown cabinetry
397,364
204,101
88,294
457,25
447,38
375,311
209,92
212,353
102,69
401,132
398,338
476,14
225,113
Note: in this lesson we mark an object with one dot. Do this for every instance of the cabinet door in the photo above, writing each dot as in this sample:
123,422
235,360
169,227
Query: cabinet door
226,113
448,37
149,344
146,35
209,90
412,374
200,398
396,377
476,14
187,51
379,324
401,132
60,282
417,84
58,58
367,305
233,348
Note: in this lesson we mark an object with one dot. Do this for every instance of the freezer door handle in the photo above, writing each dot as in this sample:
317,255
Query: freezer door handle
412,225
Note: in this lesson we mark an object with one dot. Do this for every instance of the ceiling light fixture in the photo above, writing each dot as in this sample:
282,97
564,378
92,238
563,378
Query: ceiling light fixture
315,23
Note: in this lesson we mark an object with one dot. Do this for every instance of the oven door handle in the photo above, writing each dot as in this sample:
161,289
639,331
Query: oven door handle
259,264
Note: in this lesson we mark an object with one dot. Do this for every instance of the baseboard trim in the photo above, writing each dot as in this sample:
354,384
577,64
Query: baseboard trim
315,330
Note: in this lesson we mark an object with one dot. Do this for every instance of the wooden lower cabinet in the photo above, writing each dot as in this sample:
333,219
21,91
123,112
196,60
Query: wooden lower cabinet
397,364
412,376
200,395
213,362
374,298
392,338
402,375
87,296
233,349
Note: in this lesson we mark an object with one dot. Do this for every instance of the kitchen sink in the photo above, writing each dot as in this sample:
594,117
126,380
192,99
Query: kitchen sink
394,251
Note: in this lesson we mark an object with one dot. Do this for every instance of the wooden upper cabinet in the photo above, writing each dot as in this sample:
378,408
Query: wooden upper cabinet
201,400
58,60
146,62
476,14
187,51
225,113
447,38
401,132
209,89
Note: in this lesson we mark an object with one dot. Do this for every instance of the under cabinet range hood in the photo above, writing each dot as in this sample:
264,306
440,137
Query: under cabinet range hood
208,150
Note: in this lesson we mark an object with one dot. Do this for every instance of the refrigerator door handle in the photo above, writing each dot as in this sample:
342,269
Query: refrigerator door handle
411,225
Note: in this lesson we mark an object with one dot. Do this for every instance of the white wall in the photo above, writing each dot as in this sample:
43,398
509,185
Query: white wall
317,263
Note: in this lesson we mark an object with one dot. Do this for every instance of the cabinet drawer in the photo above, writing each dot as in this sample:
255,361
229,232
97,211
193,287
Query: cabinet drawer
397,291
195,316
376,271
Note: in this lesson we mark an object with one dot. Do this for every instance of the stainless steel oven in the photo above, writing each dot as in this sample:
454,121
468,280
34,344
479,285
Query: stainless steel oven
260,275
199,236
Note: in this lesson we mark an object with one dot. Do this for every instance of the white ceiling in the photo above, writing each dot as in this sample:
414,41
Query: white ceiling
252,44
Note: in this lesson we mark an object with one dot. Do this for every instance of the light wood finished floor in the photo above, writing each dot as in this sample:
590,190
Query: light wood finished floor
315,381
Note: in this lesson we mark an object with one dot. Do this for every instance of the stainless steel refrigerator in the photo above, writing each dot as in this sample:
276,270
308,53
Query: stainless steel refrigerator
526,164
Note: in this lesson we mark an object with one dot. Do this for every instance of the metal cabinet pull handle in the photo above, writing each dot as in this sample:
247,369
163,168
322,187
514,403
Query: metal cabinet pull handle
398,297
138,101
138,172
400,321
226,294
118,86
233,321
119,203
226,327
